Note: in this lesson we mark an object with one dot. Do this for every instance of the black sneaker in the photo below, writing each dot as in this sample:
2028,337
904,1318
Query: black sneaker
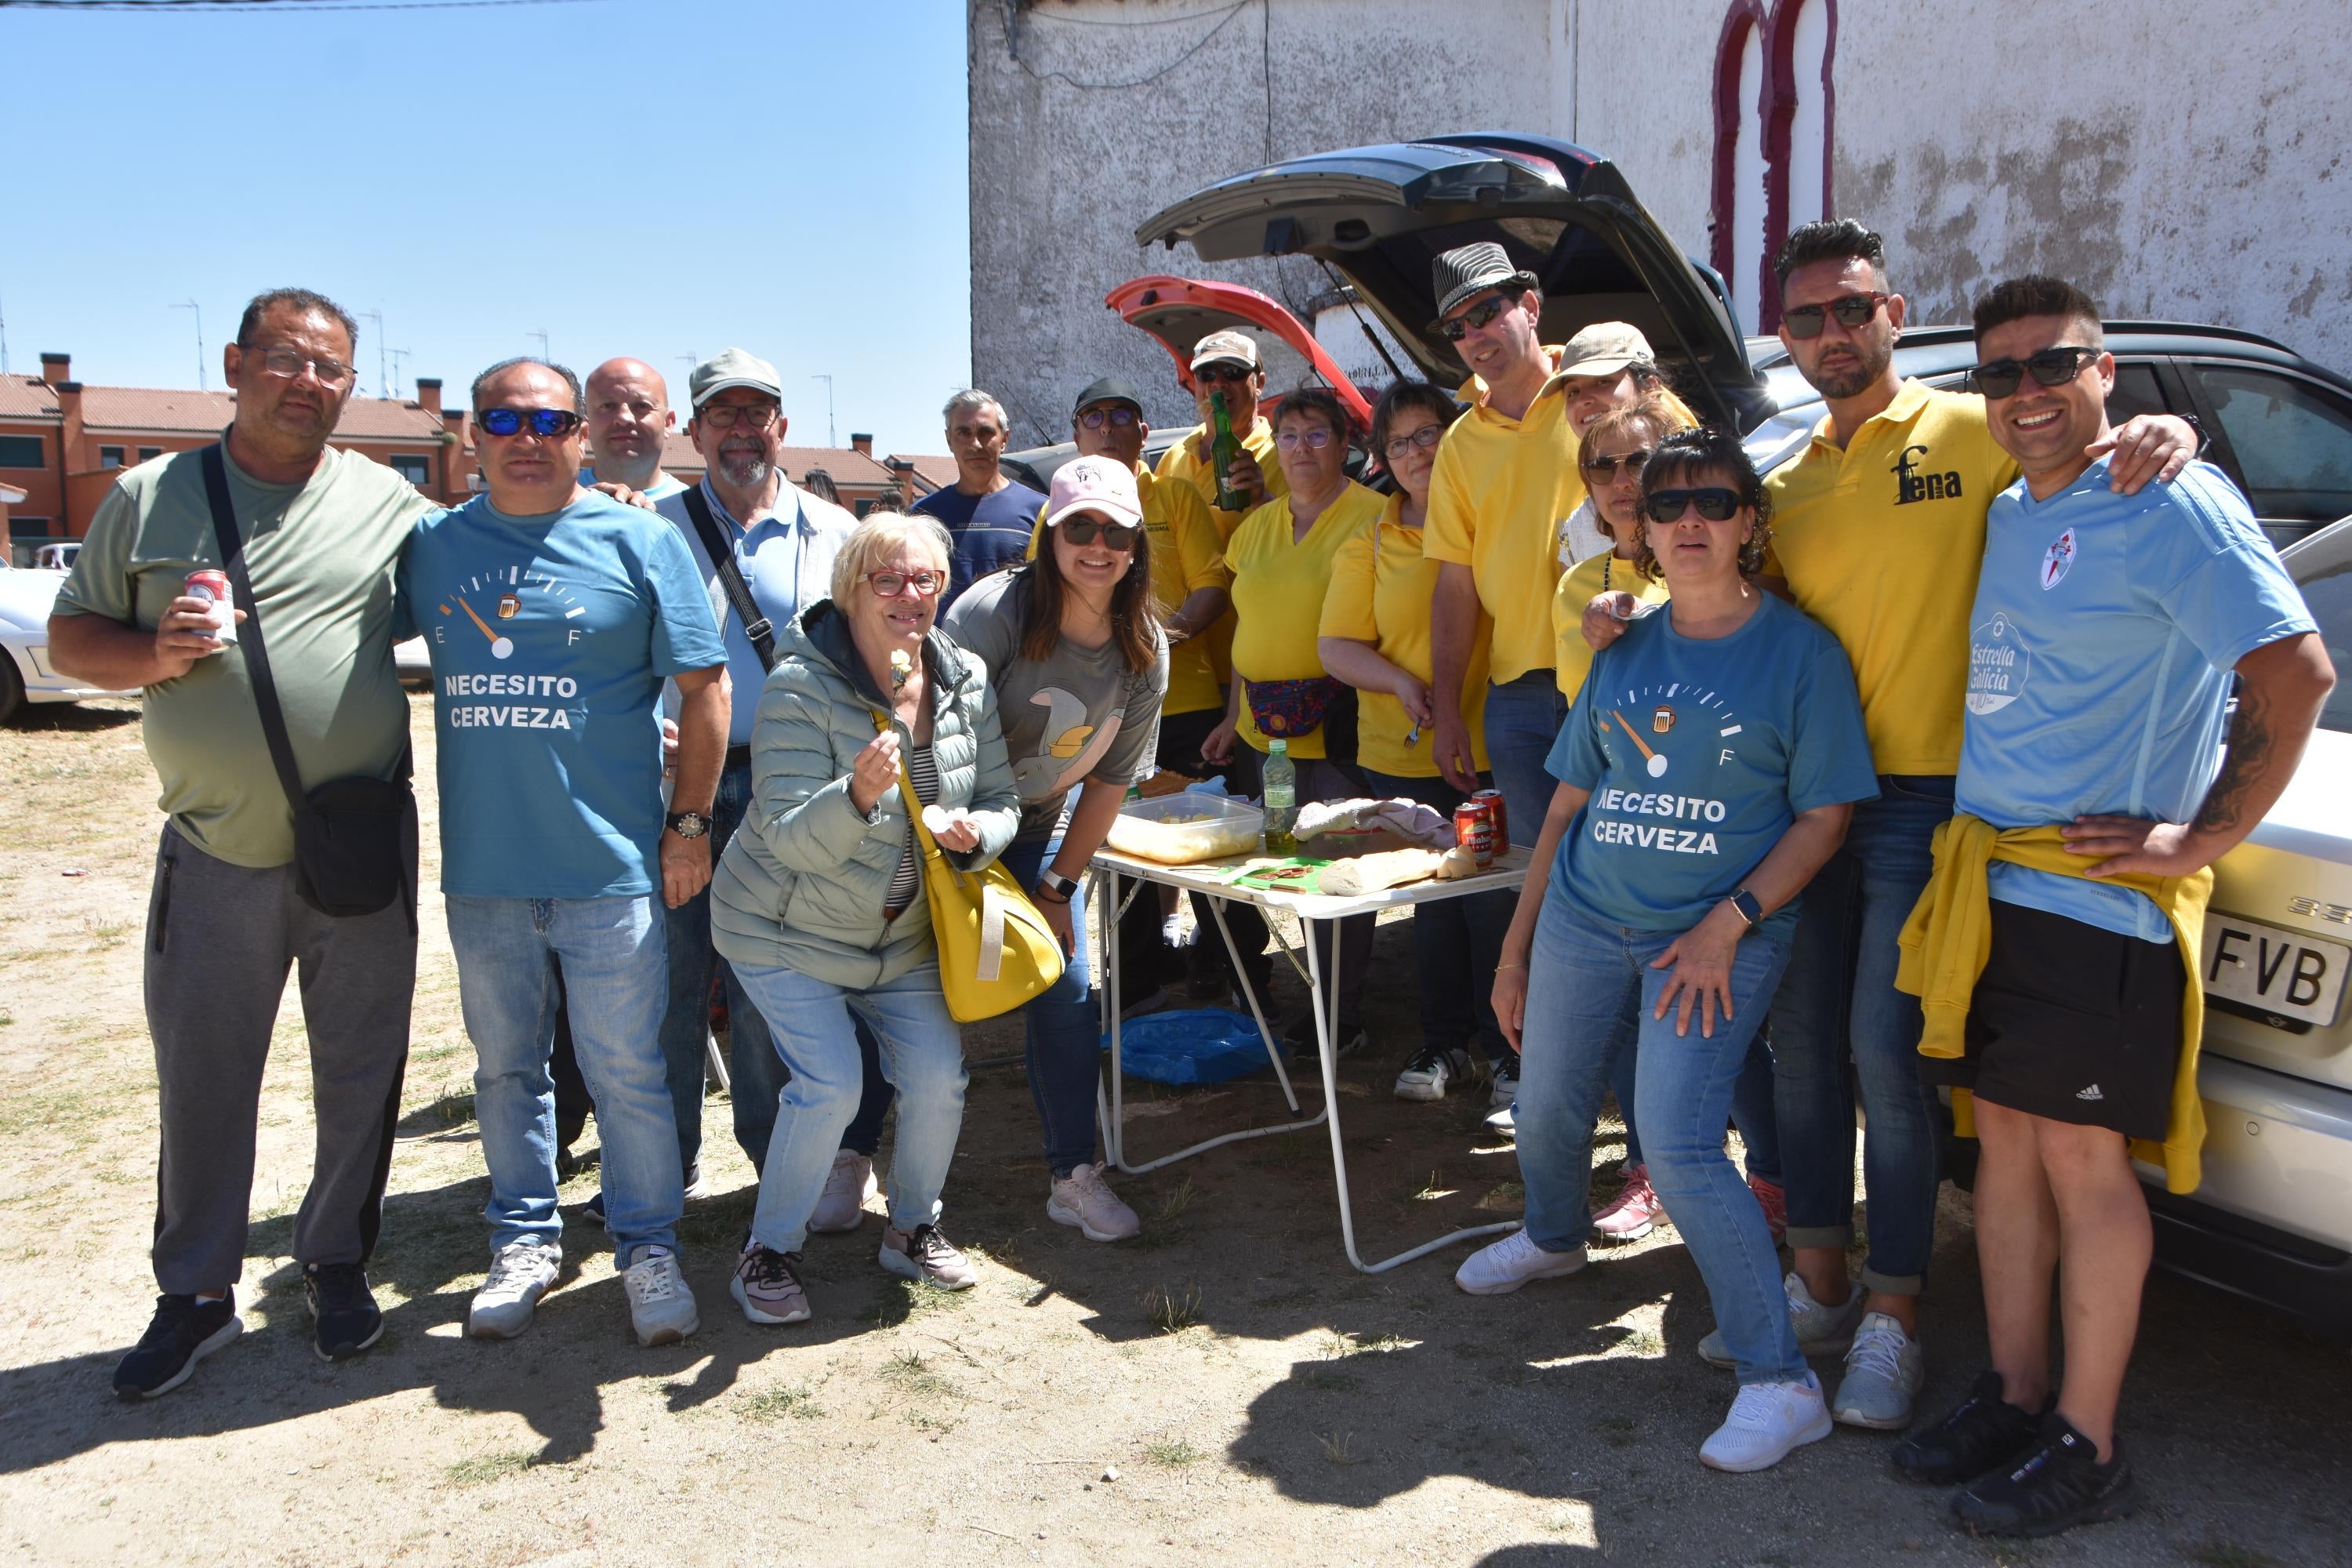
179,1335
1431,1068
593,1211
343,1310
2059,1485
1984,1432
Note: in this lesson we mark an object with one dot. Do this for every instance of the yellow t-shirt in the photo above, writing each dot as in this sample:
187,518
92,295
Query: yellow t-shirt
1178,463
1881,542
1278,595
1380,591
1186,556
1500,493
1593,575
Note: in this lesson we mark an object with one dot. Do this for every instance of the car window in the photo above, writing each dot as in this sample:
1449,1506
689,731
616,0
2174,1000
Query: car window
2329,592
2137,392
2293,441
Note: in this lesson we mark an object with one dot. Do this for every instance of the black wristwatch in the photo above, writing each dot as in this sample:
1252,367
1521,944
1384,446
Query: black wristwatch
1746,906
1055,883
689,824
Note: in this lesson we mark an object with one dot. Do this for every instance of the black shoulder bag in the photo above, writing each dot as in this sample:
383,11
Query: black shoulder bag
756,627
354,838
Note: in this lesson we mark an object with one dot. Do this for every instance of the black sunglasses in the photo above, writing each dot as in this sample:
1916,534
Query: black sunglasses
1851,309
1634,463
1476,316
1226,370
550,423
2001,378
1119,418
1082,529
1715,503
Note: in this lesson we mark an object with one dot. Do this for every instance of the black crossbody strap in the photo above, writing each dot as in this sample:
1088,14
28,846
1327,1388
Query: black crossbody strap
756,627
248,636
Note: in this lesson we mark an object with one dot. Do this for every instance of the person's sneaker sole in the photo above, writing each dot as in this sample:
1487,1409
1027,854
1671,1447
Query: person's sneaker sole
1509,1286
1070,1217
1636,1234
205,1347
1856,1418
1421,1092
2121,1506
761,1314
905,1267
1813,1434
668,1335
346,1351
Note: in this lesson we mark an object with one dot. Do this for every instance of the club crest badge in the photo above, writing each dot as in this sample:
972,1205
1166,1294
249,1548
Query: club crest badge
2056,559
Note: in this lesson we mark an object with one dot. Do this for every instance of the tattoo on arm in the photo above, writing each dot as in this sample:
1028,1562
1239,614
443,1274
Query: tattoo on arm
2252,736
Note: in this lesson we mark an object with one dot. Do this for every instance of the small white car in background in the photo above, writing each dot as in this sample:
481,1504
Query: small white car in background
26,596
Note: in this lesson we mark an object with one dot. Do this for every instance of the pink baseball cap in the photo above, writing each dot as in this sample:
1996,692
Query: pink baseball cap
1093,484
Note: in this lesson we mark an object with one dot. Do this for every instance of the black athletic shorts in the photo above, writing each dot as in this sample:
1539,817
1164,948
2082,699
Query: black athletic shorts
2073,1023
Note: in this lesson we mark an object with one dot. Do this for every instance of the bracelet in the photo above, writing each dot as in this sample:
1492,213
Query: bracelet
1500,967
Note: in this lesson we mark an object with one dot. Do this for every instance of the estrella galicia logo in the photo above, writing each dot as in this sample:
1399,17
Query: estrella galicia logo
1911,484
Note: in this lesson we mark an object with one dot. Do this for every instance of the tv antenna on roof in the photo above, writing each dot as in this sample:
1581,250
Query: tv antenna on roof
397,355
382,377
202,385
830,438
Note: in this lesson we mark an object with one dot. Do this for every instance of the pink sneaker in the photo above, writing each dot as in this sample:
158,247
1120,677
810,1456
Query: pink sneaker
1633,1212
1773,1199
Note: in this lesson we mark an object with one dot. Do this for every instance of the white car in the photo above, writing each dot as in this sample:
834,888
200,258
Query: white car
26,596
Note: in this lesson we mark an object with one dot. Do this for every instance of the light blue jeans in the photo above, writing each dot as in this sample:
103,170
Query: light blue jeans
616,979
922,1056
1588,986
1523,720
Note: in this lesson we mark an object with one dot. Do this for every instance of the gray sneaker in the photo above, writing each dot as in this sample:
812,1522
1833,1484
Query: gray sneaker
1883,1374
767,1286
1820,1331
661,1308
926,1254
521,1273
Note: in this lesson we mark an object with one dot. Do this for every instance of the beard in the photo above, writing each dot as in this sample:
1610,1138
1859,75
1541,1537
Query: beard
1871,362
743,469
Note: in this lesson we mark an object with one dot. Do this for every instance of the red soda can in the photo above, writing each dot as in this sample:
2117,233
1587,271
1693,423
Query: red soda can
1473,830
1494,798
213,584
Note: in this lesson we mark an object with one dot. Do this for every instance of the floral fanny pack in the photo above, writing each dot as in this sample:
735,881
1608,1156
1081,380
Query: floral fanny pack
1285,709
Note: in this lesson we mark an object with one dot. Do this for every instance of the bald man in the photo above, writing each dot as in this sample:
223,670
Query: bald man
628,414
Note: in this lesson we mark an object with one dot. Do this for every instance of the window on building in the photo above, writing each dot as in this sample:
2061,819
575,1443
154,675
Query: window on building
28,528
1773,130
110,457
416,470
21,452
149,454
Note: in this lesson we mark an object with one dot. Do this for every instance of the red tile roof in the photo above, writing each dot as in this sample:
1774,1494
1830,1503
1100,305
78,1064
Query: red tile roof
846,464
166,410
26,398
931,472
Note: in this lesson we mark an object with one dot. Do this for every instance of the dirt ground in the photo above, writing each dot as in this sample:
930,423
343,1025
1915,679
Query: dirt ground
1255,1398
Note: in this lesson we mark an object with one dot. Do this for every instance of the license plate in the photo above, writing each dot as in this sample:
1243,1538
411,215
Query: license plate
2275,970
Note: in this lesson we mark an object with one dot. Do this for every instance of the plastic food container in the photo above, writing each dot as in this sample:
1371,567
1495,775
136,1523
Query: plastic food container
1178,829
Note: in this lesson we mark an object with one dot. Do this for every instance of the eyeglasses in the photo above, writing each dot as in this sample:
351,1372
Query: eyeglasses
1425,437
1476,317
1313,440
890,584
287,363
1715,503
2001,378
1232,374
1851,309
1120,418
727,415
1083,530
1632,462
546,422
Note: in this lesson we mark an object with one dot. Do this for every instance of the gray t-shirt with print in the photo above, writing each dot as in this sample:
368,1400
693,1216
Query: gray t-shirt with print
1077,715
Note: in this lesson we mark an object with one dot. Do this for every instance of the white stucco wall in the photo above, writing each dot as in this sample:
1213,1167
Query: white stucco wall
2180,165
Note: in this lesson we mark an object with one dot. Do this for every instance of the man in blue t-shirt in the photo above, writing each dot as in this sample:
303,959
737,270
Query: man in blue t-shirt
2104,631
986,514
553,615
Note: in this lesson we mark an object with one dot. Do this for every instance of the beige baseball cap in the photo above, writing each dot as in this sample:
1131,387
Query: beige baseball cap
733,367
1239,347
1605,348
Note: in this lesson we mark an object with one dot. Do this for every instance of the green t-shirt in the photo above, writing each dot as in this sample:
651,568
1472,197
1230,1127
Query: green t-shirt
321,555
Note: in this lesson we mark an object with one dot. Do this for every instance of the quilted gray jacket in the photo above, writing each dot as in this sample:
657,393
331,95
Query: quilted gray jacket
802,884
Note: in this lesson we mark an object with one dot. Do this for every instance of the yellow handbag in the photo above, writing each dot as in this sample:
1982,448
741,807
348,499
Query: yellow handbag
996,951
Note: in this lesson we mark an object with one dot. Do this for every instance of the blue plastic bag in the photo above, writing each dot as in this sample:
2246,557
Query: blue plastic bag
1190,1045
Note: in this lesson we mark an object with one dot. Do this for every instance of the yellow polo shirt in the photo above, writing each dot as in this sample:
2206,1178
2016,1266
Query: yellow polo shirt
1593,575
1186,556
1500,493
1381,590
1880,542
1178,463
1278,595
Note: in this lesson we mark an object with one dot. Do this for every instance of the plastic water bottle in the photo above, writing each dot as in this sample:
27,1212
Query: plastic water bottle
1281,801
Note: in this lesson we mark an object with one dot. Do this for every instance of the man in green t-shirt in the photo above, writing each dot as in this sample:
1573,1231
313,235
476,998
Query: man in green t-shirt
321,531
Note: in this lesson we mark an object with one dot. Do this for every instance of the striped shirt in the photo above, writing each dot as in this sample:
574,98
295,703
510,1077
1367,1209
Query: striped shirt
906,882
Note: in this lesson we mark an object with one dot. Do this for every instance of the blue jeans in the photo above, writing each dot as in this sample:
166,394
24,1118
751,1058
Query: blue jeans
1456,941
614,963
1065,1029
1588,987
1751,1108
922,1055
756,1075
1523,720
1839,1000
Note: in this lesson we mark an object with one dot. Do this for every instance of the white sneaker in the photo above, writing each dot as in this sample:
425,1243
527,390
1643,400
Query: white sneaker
661,1308
1505,1121
1883,1374
1820,1331
521,1273
1767,1420
1431,1069
1507,1078
1083,1199
1503,1267
843,1205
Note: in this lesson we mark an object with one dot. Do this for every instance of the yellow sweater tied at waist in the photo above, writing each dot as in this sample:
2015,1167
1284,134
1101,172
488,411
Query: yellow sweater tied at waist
1948,939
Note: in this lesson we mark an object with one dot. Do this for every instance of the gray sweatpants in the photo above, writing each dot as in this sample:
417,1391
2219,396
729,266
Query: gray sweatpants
220,939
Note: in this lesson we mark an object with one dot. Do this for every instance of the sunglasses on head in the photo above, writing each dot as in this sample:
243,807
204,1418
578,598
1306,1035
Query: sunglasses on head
1476,317
1227,371
1119,418
1851,309
549,423
1715,503
2000,378
1632,462
1084,530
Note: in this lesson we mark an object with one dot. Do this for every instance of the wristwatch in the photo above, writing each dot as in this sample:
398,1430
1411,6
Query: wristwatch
1054,883
689,824
1746,906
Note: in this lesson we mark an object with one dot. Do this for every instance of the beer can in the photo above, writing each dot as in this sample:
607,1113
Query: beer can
1473,830
1494,798
211,584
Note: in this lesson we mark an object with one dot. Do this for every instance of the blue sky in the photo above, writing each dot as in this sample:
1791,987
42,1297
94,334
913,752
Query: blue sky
655,177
